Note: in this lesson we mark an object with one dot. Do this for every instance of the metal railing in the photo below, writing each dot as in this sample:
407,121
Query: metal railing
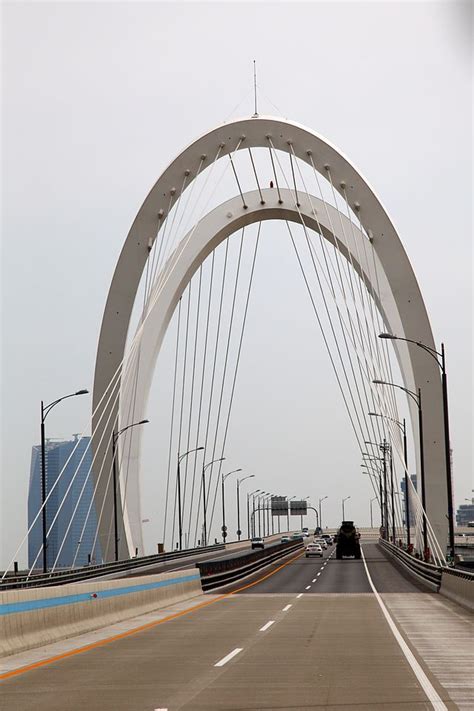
61,577
427,573
224,571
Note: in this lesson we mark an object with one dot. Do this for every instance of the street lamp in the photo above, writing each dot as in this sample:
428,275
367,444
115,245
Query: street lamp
288,515
45,410
204,503
223,478
403,428
180,513
441,361
115,436
416,397
239,481
371,519
251,534
343,512
385,447
320,519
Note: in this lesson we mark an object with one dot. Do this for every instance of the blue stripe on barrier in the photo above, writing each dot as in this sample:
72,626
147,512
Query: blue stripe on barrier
90,596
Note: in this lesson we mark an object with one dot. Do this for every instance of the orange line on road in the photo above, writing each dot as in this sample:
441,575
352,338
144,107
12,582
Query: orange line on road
142,628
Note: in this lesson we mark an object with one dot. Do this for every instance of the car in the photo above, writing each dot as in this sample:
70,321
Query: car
285,539
305,534
328,538
313,549
257,543
297,536
322,542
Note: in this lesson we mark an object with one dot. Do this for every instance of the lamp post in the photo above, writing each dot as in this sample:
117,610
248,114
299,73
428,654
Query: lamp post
288,516
178,481
416,397
251,534
223,478
239,481
403,427
343,512
204,502
45,410
385,447
320,518
440,358
115,436
373,472
371,519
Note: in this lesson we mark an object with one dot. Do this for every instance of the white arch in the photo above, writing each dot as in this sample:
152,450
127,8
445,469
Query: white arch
399,292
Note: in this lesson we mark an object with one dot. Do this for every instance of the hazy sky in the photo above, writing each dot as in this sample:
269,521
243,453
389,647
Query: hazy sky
99,97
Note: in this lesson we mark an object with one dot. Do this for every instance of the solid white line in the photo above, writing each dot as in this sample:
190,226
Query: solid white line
286,608
423,680
308,587
228,657
265,627
300,595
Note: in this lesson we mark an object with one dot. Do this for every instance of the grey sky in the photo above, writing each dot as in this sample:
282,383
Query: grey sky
98,98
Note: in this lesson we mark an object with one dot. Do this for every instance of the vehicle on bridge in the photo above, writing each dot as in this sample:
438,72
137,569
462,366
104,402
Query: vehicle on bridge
285,539
257,543
328,538
313,549
347,542
321,542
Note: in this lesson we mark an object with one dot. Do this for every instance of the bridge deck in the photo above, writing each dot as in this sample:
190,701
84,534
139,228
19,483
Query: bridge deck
331,649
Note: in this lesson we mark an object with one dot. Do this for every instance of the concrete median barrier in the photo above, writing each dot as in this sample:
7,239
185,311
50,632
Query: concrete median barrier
458,587
34,617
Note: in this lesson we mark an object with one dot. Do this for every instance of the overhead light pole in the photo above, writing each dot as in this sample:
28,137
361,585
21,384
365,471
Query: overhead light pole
403,428
251,533
440,359
223,478
343,511
239,482
371,519
288,515
320,518
385,447
204,502
416,397
178,482
45,410
115,436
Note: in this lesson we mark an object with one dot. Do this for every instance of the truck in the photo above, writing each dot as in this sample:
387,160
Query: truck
347,543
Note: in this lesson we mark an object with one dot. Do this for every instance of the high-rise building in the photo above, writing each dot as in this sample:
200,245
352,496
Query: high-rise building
465,514
412,512
70,504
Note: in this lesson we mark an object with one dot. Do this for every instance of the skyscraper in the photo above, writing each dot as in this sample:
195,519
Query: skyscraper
70,504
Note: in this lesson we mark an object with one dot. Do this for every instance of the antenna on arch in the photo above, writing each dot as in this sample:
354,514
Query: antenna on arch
255,88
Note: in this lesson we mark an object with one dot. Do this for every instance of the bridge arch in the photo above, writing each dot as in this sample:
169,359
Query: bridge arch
401,302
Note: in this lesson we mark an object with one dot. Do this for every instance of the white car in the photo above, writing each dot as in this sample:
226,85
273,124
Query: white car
314,549
321,542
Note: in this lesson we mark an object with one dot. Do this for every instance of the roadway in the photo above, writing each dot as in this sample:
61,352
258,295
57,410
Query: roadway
303,634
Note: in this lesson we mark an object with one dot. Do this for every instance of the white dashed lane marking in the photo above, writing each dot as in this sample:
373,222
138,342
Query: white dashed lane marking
265,627
286,608
228,657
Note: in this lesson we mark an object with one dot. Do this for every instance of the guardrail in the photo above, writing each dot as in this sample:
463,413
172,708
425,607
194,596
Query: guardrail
216,573
61,577
427,573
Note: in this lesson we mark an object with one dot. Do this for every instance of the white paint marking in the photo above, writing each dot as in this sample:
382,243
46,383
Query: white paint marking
318,575
286,608
298,596
425,683
308,587
228,657
313,581
265,627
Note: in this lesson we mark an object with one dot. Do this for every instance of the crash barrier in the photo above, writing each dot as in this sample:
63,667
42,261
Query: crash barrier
458,585
62,577
32,618
215,573
428,574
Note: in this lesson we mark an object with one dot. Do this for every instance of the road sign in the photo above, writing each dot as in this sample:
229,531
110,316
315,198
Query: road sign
279,506
298,508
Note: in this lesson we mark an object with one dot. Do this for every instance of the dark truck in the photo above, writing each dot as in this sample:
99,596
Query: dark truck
347,543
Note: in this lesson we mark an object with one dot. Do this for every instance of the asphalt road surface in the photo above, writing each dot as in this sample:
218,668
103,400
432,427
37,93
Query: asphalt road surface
312,635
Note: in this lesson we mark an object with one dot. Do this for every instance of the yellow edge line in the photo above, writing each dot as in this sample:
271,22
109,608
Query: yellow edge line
136,630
